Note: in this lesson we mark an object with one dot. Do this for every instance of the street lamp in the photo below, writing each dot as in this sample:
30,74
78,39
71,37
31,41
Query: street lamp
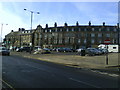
31,15
1,31
118,36
31,44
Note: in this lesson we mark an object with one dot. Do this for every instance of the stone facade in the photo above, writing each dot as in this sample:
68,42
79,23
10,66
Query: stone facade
65,36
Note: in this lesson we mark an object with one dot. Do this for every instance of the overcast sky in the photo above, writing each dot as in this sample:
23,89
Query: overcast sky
13,14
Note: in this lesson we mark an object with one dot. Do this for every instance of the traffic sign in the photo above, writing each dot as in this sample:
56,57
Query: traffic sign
107,42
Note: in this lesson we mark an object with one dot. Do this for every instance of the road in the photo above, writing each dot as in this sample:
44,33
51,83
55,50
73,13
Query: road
19,72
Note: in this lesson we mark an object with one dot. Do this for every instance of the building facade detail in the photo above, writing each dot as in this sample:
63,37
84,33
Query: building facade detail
63,36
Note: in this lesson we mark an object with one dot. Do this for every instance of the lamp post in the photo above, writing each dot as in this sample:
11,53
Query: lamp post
118,37
31,44
1,31
31,15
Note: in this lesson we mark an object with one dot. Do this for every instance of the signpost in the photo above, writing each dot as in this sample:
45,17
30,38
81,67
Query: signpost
30,47
107,42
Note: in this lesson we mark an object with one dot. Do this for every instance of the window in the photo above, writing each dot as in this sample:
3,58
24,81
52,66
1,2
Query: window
66,39
45,30
55,40
60,41
60,35
40,36
85,41
99,29
78,34
53,34
99,41
99,35
85,29
107,35
72,40
115,29
45,36
56,30
72,29
61,30
67,30
86,34
92,41
92,35
79,29
78,40
93,29
114,47
108,29
50,30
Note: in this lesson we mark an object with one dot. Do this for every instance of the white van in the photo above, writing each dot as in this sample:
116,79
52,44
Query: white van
111,47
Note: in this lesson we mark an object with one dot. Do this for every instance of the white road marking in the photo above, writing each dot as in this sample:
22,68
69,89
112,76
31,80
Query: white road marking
84,83
113,75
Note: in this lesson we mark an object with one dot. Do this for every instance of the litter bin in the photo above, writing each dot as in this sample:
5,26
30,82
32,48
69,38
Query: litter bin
82,52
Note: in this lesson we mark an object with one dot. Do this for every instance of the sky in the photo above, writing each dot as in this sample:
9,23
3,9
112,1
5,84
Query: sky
13,14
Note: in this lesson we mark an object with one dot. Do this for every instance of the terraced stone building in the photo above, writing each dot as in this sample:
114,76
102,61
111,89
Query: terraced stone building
65,36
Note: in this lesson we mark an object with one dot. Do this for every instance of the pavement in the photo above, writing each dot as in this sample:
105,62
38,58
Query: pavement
95,63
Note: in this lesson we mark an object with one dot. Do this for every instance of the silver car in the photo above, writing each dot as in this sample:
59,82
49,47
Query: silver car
4,51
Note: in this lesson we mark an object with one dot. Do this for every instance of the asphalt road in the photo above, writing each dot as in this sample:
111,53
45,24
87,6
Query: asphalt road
19,72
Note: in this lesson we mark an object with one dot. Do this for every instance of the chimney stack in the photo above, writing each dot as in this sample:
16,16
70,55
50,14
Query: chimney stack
89,23
103,23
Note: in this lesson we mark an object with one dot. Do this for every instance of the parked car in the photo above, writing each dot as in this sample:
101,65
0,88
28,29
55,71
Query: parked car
93,51
26,49
79,49
36,48
19,49
45,51
104,50
90,52
67,50
99,51
54,49
60,49
73,50
4,51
